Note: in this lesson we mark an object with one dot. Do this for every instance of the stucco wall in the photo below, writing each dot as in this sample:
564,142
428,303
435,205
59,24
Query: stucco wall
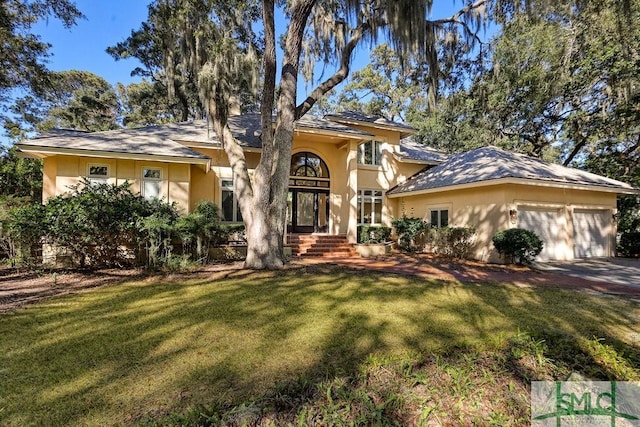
61,172
487,209
336,155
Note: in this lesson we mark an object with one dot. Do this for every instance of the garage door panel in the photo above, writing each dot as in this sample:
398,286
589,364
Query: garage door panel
591,231
548,225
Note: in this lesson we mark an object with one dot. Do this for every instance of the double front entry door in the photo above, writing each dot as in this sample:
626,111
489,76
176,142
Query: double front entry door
309,211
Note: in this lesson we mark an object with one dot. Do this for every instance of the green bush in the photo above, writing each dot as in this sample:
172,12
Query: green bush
155,233
629,244
22,232
200,229
107,225
452,242
97,223
409,230
373,234
94,224
517,245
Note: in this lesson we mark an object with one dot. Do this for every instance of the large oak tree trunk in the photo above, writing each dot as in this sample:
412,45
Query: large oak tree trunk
263,196
265,229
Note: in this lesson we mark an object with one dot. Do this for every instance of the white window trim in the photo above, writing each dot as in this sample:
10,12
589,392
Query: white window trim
439,209
98,179
144,179
231,188
376,161
361,204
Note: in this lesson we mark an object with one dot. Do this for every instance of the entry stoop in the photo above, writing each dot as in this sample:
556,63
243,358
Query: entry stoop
321,245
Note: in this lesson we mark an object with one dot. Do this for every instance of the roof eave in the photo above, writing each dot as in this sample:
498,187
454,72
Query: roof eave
318,131
43,152
523,181
404,131
417,161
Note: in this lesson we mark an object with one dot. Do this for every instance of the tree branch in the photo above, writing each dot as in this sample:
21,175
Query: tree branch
455,19
338,77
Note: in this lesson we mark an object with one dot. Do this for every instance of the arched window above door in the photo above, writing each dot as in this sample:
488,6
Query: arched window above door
308,171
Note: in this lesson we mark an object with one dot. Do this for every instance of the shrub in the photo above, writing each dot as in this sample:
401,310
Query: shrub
155,232
453,242
97,223
518,245
629,244
202,227
408,231
22,232
233,233
373,234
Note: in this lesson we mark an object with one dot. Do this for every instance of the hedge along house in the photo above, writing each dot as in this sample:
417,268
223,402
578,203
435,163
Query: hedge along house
347,170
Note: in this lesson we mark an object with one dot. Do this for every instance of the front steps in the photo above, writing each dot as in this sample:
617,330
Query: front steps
321,245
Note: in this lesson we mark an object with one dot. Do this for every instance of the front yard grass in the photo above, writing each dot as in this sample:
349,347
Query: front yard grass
314,345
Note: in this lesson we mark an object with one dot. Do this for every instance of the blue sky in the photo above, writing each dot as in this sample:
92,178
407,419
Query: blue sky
82,47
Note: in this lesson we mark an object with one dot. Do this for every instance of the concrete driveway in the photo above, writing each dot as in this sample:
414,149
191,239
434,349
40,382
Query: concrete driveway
619,271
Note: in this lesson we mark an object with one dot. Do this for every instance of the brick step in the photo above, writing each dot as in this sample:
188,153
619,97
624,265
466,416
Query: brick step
325,246
324,240
329,250
339,254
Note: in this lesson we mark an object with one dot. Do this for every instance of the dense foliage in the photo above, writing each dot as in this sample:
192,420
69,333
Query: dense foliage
453,242
518,245
373,234
23,53
20,177
629,244
98,225
409,230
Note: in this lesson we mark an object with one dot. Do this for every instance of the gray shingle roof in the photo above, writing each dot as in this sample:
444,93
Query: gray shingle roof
150,140
162,140
410,150
490,163
353,116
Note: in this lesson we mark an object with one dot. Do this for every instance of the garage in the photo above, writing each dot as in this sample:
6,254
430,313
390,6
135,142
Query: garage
591,231
548,224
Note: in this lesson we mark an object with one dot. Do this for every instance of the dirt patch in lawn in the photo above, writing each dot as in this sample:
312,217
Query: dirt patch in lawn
20,288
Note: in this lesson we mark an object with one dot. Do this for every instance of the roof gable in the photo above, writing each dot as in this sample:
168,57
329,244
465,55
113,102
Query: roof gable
416,152
356,118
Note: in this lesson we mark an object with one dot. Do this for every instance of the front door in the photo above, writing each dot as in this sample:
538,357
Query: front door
309,211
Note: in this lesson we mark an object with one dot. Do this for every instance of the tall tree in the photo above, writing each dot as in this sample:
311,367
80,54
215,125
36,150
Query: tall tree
322,29
21,52
145,103
211,43
66,99
384,88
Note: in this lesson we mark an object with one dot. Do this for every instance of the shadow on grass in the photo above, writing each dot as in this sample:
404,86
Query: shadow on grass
148,348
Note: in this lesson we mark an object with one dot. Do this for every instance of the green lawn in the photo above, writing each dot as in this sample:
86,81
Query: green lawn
312,343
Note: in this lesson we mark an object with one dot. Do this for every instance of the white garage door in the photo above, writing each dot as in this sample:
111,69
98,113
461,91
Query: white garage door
591,231
547,224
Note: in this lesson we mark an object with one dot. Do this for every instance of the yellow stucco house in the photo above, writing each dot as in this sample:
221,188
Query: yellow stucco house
350,169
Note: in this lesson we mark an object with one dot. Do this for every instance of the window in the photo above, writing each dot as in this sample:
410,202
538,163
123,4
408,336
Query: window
151,183
439,217
230,206
370,153
98,174
369,207
308,170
